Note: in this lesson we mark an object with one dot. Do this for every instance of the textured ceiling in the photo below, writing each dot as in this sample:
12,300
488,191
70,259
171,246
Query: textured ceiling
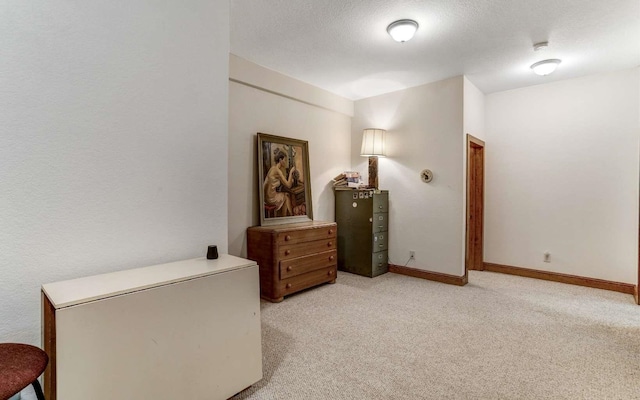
342,45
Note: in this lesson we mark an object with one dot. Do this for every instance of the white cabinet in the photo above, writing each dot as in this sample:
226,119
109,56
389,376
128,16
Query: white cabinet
183,330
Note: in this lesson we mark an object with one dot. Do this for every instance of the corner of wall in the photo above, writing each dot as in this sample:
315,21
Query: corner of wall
261,100
425,125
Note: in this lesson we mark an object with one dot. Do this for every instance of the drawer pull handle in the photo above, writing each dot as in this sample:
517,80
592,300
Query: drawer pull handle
331,258
380,206
381,245
288,286
380,226
287,238
287,252
330,273
289,268
380,265
330,231
329,244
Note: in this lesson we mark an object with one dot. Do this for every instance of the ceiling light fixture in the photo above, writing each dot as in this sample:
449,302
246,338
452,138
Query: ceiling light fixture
402,30
540,46
545,67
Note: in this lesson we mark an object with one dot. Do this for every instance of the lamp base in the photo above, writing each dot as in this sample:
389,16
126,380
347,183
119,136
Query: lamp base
373,172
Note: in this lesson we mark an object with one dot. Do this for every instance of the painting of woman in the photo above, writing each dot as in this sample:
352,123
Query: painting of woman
283,167
274,180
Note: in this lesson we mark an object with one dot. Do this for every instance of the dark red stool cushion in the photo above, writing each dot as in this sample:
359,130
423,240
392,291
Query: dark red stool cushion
20,364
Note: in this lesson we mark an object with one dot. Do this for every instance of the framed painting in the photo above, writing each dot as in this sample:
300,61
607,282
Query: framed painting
284,183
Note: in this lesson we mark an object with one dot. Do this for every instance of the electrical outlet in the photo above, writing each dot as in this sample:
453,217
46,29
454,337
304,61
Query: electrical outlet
547,257
412,255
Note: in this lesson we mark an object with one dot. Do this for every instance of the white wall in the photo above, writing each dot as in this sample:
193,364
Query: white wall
562,176
113,150
473,112
261,100
473,124
424,130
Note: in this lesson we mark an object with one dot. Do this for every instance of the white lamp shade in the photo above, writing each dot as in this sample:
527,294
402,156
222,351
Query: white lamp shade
402,30
373,143
545,67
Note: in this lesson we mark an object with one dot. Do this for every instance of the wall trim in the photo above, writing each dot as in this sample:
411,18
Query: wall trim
428,275
626,288
273,92
246,73
637,296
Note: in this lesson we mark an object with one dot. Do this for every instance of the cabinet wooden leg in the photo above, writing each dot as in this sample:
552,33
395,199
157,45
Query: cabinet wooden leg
272,300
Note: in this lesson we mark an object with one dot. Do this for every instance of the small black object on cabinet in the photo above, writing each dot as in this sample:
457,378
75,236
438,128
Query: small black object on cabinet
212,253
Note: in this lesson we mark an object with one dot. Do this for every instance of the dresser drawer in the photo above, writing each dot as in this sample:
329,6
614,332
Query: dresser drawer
296,283
288,251
302,265
306,235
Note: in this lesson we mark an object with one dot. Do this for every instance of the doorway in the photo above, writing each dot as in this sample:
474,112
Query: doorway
474,254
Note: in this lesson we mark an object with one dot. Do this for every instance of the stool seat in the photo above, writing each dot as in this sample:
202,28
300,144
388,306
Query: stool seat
20,366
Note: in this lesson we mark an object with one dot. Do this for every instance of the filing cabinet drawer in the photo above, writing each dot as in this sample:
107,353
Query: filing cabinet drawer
379,263
380,204
380,241
380,222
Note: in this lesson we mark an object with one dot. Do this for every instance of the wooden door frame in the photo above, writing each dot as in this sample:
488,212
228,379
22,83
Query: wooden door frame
473,143
637,289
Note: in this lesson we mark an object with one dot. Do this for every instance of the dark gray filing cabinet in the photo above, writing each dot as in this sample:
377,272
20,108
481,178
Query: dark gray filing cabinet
363,220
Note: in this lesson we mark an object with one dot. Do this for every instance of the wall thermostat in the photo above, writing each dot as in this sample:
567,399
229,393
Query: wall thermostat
426,175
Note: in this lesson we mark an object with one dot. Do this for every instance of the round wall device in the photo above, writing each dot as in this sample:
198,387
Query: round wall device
426,175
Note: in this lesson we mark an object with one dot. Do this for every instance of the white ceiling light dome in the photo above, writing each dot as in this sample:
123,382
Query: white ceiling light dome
545,67
402,30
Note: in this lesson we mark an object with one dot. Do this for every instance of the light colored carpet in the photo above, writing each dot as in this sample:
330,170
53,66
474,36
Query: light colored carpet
499,337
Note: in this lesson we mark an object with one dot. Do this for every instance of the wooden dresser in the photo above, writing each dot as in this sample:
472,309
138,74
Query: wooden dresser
293,257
